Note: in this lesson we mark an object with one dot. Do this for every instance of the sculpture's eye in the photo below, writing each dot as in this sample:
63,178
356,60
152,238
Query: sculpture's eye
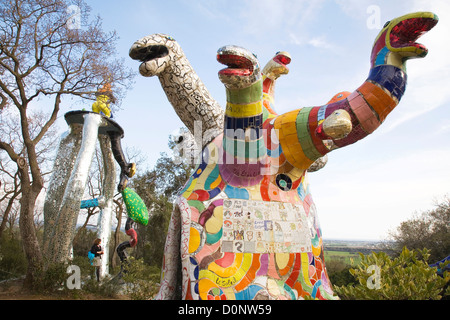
170,38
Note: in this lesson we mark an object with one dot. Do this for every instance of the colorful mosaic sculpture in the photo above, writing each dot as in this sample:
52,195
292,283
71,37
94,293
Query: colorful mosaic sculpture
245,225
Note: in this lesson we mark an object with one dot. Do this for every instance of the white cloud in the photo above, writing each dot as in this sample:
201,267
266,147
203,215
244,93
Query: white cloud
356,9
443,129
276,19
212,10
321,42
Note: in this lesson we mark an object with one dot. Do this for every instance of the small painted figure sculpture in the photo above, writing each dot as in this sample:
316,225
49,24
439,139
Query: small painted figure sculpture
102,106
129,230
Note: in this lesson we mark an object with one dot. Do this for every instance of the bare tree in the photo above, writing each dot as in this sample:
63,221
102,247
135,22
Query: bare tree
42,55
10,192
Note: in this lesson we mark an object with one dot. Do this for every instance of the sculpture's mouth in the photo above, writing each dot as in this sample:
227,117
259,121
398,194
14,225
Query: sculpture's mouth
242,67
282,59
237,65
405,33
240,61
148,53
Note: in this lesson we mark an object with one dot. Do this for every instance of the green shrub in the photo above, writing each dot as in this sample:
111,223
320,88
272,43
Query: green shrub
141,279
13,262
52,279
406,277
338,271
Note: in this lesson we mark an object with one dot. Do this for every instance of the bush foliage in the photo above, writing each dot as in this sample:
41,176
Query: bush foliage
406,277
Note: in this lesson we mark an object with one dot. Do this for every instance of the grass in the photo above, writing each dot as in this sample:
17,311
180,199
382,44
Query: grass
342,256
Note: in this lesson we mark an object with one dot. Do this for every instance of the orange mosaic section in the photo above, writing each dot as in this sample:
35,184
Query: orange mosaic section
380,101
363,112
287,130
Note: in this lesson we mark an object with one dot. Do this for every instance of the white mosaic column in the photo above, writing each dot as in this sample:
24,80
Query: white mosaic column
70,206
70,143
106,210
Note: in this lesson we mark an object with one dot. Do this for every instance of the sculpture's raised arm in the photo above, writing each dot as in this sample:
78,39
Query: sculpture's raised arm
309,133
162,56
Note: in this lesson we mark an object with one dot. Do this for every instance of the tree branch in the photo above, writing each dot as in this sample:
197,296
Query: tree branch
12,155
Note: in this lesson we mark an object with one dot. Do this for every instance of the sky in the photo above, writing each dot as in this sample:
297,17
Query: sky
366,189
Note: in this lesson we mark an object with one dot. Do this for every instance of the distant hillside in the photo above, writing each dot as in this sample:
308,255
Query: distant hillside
352,246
